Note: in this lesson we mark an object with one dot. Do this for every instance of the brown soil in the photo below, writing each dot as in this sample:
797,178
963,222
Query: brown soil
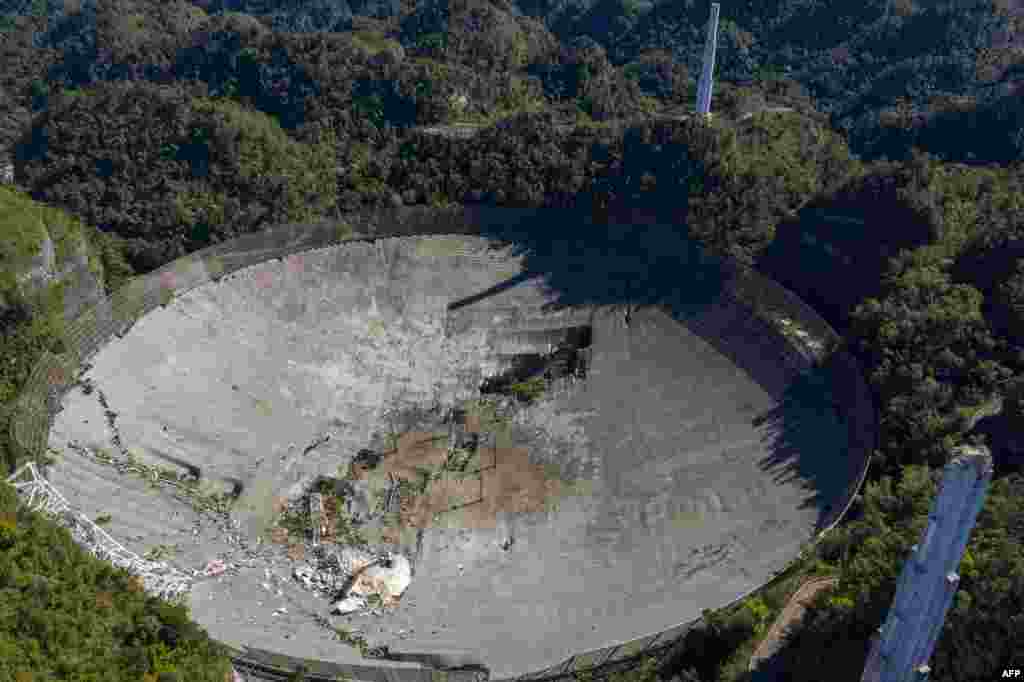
416,449
496,480
792,613
503,480
330,519
104,600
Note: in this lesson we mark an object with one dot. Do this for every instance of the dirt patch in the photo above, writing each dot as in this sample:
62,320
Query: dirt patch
792,613
496,480
436,486
330,527
416,449
104,600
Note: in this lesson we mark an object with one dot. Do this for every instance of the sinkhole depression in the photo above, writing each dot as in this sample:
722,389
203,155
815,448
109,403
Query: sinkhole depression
575,432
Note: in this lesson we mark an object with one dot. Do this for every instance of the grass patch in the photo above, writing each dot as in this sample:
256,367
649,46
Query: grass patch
529,390
352,639
688,518
435,247
486,410
373,42
21,228
296,522
160,552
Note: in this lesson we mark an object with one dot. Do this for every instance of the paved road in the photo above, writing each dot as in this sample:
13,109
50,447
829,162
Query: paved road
466,130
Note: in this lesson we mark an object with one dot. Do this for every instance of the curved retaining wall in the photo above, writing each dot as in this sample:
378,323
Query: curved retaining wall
810,338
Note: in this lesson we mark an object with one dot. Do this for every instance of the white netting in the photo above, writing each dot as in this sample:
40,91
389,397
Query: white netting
158,578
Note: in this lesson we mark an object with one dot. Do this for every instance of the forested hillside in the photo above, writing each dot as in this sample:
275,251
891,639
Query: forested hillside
891,73
890,198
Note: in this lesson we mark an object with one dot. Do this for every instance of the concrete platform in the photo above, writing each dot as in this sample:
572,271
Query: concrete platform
691,490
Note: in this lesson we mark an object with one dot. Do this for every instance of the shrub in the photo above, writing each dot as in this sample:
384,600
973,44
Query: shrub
48,581
528,390
759,611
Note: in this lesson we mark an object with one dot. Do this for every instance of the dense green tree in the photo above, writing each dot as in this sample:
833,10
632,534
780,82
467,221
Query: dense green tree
975,643
171,174
264,117
924,328
66,613
659,75
756,175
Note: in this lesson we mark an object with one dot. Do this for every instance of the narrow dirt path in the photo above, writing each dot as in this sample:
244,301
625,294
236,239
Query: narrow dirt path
792,613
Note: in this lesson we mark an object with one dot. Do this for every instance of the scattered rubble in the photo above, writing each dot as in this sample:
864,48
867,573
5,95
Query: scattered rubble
356,576
215,567
358,500
388,578
319,530
350,605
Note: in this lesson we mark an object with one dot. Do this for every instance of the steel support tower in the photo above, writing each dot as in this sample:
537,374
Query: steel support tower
901,649
708,70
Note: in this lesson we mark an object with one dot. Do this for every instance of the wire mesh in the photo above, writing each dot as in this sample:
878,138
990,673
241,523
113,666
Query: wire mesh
115,315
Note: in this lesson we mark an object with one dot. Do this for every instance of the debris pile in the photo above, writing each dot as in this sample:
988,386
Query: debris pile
387,578
214,567
356,576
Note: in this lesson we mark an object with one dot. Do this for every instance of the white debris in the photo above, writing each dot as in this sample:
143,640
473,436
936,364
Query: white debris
214,567
304,573
388,579
350,604
360,573
351,560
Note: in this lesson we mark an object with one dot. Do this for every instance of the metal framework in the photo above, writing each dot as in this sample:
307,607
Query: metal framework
902,647
316,516
158,578
708,70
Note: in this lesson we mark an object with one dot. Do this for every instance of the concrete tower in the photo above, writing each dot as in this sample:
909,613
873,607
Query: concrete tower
707,72
901,649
